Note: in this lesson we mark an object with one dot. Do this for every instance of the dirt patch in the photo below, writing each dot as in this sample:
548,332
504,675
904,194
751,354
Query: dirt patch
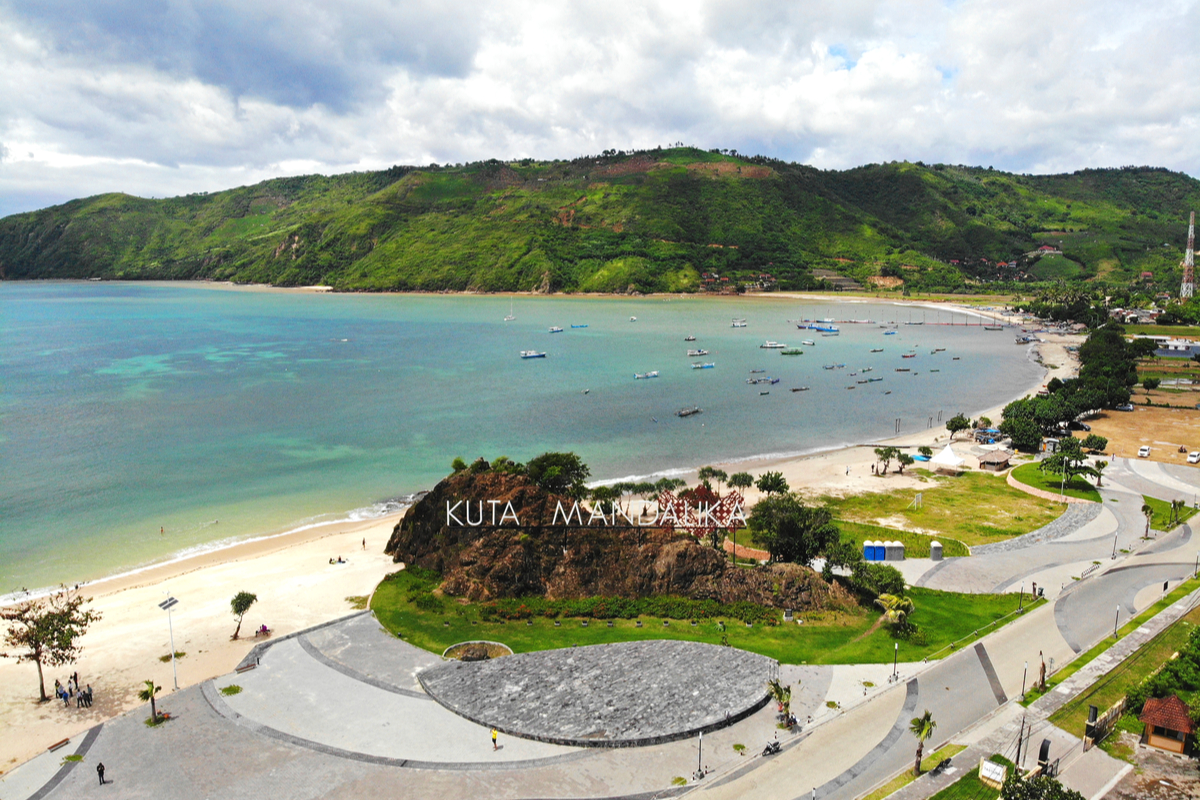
477,651
729,169
884,281
1164,429
1159,776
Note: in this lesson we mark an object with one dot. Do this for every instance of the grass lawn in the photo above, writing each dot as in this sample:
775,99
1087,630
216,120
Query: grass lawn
1162,513
1174,331
969,787
916,545
1030,475
905,778
1081,661
824,638
972,508
1129,673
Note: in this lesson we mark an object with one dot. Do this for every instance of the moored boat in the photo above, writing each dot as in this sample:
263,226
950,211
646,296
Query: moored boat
689,338
708,365
687,412
532,354
770,344
643,375
792,352
738,323
579,326
555,329
799,388
808,343
695,353
876,349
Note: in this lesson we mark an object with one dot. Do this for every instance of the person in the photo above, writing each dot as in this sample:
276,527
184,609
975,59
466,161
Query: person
364,543
100,772
495,734
89,695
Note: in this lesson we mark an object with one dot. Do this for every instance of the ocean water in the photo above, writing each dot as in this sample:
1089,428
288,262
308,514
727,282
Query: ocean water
142,421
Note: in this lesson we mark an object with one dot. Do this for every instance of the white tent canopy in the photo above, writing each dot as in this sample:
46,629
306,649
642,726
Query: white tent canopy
946,458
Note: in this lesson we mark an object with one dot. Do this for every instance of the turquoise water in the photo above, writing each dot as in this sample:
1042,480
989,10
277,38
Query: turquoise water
219,415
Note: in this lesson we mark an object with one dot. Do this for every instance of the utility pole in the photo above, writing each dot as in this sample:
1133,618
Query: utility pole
1024,675
166,605
1020,736
1115,620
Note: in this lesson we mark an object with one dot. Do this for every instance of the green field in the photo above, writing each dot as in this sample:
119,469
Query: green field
824,638
973,508
1030,475
1174,331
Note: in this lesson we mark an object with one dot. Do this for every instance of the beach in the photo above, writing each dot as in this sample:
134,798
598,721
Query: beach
298,588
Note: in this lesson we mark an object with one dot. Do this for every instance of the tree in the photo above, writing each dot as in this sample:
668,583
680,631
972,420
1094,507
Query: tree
604,494
957,423
983,422
721,477
921,727
1099,468
704,475
886,454
770,483
240,604
896,608
1176,507
1026,434
925,450
559,473
741,480
1039,787
842,554
1097,444
1148,513
1150,384
905,461
45,630
871,579
790,530
458,465
147,694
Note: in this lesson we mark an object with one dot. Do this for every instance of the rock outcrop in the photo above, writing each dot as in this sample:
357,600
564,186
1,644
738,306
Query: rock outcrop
542,556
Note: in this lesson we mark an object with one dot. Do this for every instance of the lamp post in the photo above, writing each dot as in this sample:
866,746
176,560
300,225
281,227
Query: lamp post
1114,555
1024,675
895,661
700,757
167,605
1116,619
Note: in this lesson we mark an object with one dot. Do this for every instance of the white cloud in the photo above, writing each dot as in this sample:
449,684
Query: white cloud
206,94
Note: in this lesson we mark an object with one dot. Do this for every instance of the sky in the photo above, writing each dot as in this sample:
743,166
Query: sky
167,97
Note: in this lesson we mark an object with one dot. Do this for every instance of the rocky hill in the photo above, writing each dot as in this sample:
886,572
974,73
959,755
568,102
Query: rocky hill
657,220
544,557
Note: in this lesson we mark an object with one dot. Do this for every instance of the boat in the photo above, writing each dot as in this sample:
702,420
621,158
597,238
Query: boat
808,343
579,326
799,388
922,322
760,394
866,369
772,380
643,375
909,355
851,387
510,316
695,353
689,338
939,349
874,380
738,323
889,333
555,329
956,358
814,326
709,365
993,327
756,371
876,349
633,319
888,392
687,412
532,354
771,345
903,369
829,366
935,370
792,352
863,381
852,374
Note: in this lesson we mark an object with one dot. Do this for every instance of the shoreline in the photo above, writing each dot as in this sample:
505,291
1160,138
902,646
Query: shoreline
298,588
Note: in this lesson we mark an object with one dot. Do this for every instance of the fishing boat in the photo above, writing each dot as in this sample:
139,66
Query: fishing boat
876,349
863,381
829,366
799,388
771,345
532,354
939,349
818,326
889,333
579,326
851,387
738,323
633,319
874,380
555,329
993,327
909,355
935,370
760,394
643,375
888,392
709,365
756,371
792,352
903,369
689,338
866,369
695,353
510,316
688,412
956,358
808,343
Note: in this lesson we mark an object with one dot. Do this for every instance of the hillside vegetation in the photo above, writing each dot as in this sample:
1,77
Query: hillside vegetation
646,221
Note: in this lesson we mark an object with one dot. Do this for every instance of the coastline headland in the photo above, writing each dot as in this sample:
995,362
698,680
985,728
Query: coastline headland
298,587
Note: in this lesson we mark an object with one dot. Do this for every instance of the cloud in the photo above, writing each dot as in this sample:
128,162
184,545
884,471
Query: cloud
204,94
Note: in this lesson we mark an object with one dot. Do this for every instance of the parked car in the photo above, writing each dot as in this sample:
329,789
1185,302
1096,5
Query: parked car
1075,425
1144,451
1194,457
1125,407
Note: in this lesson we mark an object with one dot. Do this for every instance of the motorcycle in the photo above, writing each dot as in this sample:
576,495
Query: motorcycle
771,749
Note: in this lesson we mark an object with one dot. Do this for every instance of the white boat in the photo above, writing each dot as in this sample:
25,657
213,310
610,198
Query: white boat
532,354
633,319
808,343
689,338
876,349
866,369
772,345
643,375
510,316
697,353
555,329
738,323
709,365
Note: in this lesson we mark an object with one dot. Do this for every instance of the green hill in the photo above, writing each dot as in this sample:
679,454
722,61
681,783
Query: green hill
645,221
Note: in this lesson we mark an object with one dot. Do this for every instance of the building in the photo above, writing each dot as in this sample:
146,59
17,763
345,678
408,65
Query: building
1168,723
997,460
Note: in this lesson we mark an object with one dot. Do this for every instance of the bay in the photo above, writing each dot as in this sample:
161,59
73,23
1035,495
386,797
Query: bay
127,409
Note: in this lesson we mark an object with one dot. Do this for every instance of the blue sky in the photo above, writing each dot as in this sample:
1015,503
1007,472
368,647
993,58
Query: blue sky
176,96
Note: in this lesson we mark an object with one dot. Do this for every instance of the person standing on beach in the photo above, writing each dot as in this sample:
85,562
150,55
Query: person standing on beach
495,733
100,772
364,543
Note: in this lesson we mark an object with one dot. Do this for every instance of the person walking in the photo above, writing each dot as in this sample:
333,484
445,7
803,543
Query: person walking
364,544
495,734
89,695
100,772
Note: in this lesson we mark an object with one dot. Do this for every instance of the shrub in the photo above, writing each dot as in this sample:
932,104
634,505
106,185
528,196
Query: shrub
872,580
680,608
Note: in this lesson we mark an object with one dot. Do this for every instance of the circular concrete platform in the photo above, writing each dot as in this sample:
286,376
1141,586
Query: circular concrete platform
626,694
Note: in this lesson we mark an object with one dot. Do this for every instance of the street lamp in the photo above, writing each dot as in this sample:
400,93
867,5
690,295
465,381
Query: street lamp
1024,675
895,661
1117,531
1115,619
167,605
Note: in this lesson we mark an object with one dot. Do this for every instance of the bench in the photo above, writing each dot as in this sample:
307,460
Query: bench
57,745
245,668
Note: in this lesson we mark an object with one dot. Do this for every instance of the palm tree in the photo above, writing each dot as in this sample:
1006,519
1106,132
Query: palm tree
896,608
1099,466
1148,513
148,694
922,728
1176,507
